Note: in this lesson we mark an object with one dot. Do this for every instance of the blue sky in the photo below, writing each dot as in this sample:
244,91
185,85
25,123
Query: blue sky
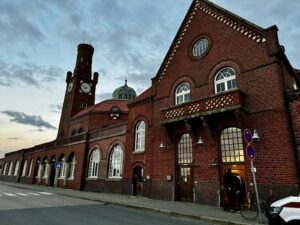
38,44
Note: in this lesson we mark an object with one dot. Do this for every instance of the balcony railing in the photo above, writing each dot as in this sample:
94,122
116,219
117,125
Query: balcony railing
214,104
109,132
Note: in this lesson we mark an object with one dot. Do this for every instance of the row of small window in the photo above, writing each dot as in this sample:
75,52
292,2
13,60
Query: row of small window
224,80
75,132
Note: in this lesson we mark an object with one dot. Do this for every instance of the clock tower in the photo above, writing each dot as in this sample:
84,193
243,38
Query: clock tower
80,88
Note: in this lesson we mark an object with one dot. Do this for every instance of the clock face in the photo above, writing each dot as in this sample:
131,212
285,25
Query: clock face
85,87
70,86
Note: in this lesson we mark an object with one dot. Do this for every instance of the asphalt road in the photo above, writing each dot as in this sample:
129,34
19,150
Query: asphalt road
28,207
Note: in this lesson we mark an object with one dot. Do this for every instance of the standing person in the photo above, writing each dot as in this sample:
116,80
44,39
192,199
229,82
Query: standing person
241,194
228,181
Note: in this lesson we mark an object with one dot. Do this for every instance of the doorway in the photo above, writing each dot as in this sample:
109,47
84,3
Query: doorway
137,181
52,171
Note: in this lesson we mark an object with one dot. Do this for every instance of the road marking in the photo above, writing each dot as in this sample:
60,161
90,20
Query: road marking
22,194
31,193
45,193
8,194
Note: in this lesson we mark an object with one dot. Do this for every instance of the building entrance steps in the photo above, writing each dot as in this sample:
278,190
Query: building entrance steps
211,214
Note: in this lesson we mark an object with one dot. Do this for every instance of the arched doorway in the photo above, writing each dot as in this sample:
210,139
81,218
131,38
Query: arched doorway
232,159
52,170
137,181
184,179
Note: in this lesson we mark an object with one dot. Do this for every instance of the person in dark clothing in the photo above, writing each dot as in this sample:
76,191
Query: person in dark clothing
232,185
241,194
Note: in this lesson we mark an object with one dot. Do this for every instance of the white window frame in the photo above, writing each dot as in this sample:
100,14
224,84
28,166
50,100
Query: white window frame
116,162
140,133
30,168
45,169
225,77
62,170
24,169
72,167
182,94
200,47
5,169
10,168
16,168
94,164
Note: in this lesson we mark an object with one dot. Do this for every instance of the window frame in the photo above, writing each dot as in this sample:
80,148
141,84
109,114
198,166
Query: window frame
62,170
72,168
140,136
115,168
185,94
24,168
17,165
200,47
94,164
224,82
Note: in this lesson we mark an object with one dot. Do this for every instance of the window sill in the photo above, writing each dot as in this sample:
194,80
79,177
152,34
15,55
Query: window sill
71,178
92,178
138,152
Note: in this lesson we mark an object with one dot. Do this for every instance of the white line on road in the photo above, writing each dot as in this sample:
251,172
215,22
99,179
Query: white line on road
8,194
45,193
22,194
31,193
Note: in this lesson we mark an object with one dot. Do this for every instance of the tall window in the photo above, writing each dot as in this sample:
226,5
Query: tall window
62,171
5,169
30,168
232,150
24,169
72,167
184,152
183,93
10,169
94,163
116,162
140,136
45,168
16,168
225,80
38,168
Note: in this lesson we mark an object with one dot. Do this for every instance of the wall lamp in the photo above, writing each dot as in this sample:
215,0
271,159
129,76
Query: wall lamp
162,145
255,136
200,141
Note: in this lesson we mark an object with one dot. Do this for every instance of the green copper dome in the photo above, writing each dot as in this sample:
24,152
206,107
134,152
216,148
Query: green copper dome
124,92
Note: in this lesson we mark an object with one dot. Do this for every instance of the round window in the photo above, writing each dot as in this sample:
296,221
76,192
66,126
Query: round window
200,47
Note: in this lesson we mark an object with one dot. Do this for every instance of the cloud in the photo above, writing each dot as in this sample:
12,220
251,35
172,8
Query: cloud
103,96
55,108
24,74
14,138
32,120
37,130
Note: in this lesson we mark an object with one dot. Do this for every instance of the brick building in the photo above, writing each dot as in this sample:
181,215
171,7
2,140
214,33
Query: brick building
175,141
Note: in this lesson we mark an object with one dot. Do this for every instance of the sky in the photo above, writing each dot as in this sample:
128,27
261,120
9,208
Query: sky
39,39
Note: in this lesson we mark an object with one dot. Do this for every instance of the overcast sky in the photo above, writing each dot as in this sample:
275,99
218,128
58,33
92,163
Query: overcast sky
38,45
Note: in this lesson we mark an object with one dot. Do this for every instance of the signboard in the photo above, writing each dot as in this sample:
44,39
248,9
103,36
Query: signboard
248,136
58,164
250,151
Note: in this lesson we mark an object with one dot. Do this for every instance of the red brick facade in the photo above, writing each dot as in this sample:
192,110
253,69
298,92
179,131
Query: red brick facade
264,98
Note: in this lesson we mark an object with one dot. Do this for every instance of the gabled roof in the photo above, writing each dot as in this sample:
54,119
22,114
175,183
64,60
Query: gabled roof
233,21
104,106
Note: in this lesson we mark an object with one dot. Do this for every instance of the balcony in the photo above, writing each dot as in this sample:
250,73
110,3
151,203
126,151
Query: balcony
218,103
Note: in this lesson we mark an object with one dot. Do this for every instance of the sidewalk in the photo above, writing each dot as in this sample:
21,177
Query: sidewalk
211,214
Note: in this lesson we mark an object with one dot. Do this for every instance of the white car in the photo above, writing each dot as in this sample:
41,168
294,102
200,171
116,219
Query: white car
285,211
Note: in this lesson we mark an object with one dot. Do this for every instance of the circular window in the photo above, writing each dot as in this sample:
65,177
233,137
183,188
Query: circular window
200,47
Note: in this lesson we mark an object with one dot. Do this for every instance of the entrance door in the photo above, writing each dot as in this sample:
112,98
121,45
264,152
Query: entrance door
52,174
185,183
137,181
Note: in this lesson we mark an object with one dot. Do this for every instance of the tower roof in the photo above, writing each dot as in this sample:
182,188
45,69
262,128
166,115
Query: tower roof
124,92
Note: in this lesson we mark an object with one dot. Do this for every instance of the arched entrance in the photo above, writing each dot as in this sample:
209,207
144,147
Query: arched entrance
232,166
52,170
184,179
137,181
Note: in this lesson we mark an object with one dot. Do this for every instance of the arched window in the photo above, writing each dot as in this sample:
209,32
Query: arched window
184,152
81,130
30,168
10,168
38,168
94,163
16,168
72,166
183,93
24,169
73,133
5,169
116,162
140,136
225,80
232,150
45,168
62,170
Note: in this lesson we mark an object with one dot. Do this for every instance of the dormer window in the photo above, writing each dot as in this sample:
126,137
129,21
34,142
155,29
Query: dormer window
225,80
183,93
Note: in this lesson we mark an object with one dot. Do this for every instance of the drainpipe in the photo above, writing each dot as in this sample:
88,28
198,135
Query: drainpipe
84,162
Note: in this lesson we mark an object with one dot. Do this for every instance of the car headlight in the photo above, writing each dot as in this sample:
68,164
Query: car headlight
275,210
